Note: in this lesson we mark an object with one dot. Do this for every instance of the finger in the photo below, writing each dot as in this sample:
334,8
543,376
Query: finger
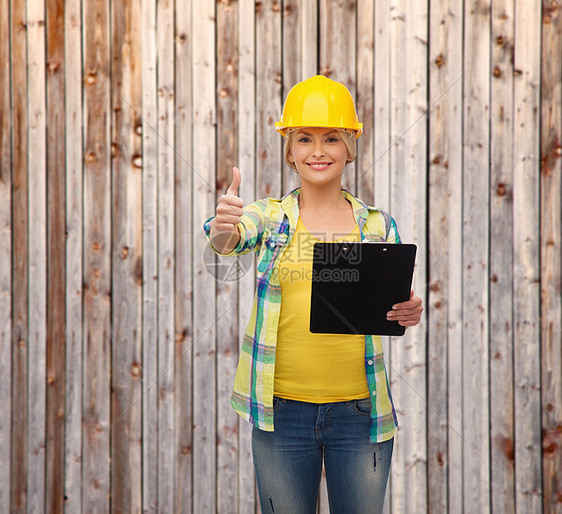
413,303
408,323
405,314
409,317
228,218
393,316
225,227
236,180
231,200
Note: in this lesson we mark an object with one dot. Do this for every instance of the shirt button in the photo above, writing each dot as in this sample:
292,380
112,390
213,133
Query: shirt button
370,362
374,393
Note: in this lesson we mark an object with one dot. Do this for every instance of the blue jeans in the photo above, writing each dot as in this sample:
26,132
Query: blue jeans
288,461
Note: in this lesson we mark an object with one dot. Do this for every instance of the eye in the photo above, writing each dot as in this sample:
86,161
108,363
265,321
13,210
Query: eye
332,139
304,139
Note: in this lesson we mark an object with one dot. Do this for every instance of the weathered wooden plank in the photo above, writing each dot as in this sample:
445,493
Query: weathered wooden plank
74,269
97,258
551,254
204,305
126,433
455,327
292,44
337,56
183,243
150,259
166,254
475,247
5,260
300,42
454,166
501,259
268,98
56,262
37,256
365,99
526,271
20,257
246,162
381,109
227,285
407,116
309,38
444,258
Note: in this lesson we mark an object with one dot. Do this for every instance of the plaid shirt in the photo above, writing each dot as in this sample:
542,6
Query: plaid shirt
267,227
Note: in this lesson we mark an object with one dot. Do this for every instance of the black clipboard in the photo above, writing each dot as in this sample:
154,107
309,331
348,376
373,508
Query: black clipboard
354,285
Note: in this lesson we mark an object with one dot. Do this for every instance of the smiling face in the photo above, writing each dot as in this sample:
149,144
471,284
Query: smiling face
318,154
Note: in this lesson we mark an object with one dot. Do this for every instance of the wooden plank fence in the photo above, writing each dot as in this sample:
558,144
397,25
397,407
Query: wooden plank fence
119,330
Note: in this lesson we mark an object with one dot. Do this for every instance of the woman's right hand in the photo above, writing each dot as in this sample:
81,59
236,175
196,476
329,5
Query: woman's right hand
224,232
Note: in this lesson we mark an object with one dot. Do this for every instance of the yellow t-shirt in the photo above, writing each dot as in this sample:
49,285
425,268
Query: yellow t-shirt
317,368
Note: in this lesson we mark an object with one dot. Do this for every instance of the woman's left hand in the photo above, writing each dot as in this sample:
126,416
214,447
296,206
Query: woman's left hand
408,314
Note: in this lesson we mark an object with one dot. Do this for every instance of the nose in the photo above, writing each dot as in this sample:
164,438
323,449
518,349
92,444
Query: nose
318,150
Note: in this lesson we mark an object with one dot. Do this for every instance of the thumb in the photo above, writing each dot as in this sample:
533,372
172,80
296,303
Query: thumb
236,180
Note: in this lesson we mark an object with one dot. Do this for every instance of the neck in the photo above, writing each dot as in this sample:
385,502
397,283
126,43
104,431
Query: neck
320,198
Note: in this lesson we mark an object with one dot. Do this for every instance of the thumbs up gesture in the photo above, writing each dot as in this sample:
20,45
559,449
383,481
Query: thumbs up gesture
224,234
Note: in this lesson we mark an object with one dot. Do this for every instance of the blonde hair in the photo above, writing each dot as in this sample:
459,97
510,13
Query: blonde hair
348,138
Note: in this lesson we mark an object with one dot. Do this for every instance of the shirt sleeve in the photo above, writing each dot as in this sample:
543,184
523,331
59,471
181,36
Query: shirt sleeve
381,227
392,235
251,229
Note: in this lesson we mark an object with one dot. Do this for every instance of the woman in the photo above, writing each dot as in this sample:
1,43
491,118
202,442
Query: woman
312,398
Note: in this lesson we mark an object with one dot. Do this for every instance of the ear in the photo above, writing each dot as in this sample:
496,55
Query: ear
290,157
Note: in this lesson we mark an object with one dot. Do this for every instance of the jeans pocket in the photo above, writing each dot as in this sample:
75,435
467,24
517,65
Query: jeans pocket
363,406
277,402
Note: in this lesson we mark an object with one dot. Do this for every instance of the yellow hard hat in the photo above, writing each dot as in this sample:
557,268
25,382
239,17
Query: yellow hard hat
319,102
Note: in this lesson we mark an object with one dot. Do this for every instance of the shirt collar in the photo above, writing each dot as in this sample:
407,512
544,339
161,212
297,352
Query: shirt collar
290,206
